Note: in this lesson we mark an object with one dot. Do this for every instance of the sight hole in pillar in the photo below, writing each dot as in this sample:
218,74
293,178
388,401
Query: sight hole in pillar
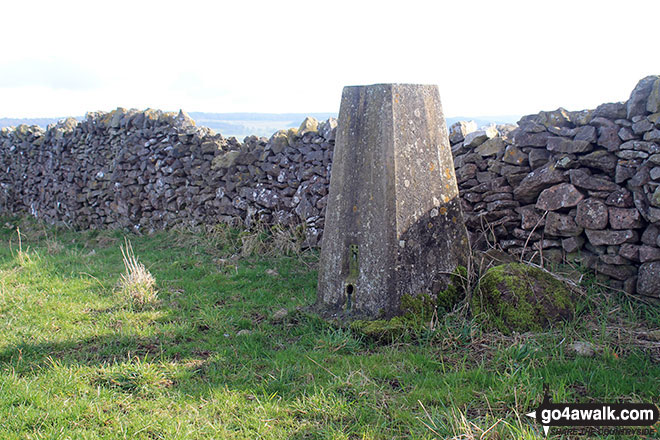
353,272
349,296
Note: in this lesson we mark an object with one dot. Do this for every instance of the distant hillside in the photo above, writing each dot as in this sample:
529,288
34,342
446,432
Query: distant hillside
41,122
260,124
485,120
246,124
265,124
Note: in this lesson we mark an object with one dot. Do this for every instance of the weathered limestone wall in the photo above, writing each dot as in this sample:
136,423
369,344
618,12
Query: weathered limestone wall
567,185
571,186
152,170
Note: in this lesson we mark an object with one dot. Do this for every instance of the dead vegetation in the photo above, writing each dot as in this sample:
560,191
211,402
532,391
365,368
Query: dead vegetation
136,284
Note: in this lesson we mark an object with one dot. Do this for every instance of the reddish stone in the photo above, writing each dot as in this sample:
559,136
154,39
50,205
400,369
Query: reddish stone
522,234
601,160
622,218
559,196
531,217
621,198
560,225
648,253
563,145
651,235
466,172
582,179
591,214
502,204
546,244
536,181
586,133
610,237
629,251
648,282
524,139
608,137
572,244
618,272
624,172
514,156
613,259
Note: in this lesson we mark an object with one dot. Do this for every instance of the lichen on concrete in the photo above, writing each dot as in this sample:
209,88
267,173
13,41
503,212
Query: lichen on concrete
393,197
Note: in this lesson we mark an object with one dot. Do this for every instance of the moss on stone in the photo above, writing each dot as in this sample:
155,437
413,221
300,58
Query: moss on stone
418,308
225,160
455,291
381,330
518,297
417,311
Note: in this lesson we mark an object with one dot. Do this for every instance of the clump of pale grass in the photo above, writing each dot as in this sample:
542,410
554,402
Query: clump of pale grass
53,246
271,240
488,427
287,240
137,285
23,257
253,242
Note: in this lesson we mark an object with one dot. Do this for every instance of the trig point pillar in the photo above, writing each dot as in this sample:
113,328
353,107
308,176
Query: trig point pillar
393,223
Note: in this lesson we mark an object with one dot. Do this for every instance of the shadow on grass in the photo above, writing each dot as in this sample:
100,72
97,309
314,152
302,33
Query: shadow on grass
200,357
29,358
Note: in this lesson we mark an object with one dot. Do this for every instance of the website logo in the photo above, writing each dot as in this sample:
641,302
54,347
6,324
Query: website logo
593,414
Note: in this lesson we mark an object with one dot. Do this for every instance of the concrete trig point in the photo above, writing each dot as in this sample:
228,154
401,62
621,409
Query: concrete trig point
393,223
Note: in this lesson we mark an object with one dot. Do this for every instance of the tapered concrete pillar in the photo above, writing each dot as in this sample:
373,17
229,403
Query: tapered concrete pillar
393,223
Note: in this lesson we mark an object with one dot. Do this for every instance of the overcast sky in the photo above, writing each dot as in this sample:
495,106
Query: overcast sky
493,57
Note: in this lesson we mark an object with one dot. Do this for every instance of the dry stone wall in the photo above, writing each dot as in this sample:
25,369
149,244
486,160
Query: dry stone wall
561,185
577,186
152,170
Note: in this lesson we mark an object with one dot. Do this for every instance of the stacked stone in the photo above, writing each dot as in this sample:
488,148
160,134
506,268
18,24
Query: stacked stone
119,169
571,186
17,148
488,168
563,185
283,180
150,170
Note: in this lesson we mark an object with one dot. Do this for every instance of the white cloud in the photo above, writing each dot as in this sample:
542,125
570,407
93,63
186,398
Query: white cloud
51,73
488,58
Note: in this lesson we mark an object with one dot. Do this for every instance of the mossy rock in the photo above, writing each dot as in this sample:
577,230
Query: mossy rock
417,311
381,330
279,141
225,160
309,125
516,297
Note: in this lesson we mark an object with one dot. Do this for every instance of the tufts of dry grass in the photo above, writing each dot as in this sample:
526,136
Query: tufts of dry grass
137,285
22,256
271,241
487,427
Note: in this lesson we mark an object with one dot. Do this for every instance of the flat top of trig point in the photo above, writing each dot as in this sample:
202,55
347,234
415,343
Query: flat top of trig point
392,85
403,89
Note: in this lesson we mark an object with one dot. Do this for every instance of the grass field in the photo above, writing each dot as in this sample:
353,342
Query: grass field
215,356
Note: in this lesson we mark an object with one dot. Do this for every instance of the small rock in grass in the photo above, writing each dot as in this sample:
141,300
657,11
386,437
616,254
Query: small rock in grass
280,315
582,348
